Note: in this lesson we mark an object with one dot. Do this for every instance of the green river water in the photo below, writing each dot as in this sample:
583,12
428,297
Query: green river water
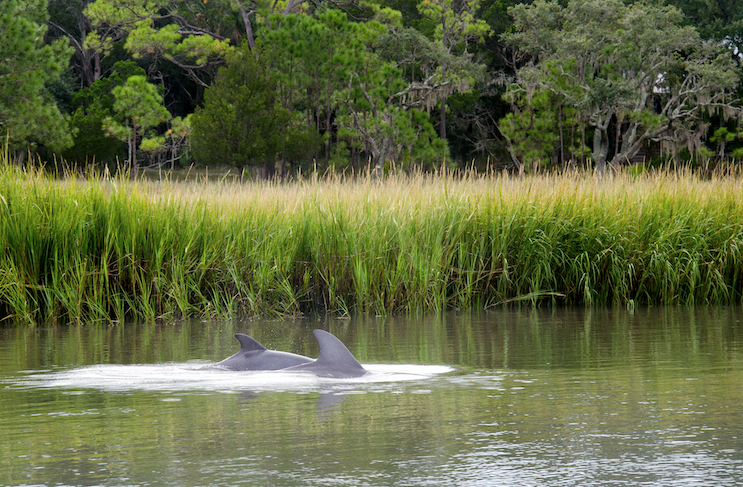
526,397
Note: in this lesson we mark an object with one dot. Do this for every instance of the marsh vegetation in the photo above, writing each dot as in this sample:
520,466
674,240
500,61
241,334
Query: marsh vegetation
113,249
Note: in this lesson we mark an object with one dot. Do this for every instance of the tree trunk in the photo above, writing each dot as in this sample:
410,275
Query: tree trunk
633,142
90,60
562,139
291,4
572,142
328,105
582,144
617,135
600,148
442,127
600,152
133,151
721,150
519,165
96,66
248,25
269,170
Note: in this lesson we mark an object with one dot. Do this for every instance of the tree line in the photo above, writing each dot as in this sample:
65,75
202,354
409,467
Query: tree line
389,84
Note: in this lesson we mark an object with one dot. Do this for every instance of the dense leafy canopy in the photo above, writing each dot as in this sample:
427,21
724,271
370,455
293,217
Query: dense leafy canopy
93,105
456,25
138,106
241,122
191,47
715,19
604,63
28,116
372,83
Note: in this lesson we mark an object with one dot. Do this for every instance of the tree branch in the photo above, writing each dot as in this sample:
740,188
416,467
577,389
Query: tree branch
77,44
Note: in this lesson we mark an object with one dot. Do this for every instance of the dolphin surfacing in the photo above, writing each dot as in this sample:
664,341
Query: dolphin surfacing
335,360
254,356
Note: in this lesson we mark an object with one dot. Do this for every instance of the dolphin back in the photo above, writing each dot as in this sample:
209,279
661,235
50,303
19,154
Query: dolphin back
254,356
248,343
333,351
335,359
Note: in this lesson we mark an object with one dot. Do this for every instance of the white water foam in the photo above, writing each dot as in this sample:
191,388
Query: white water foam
198,376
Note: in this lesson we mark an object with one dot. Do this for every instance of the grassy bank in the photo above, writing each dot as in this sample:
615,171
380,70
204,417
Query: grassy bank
108,249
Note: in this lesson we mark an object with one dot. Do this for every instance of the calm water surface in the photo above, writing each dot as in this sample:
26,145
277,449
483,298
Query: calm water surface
510,398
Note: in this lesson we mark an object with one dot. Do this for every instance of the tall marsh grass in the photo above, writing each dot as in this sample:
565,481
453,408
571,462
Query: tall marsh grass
113,249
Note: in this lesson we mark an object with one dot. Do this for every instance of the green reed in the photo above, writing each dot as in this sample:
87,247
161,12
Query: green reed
103,249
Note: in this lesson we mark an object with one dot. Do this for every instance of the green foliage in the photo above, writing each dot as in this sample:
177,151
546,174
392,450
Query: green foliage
300,140
544,120
158,29
495,13
719,19
28,114
393,133
727,140
416,55
404,138
330,70
456,27
242,122
349,85
171,43
532,132
138,107
620,64
456,24
94,105
64,89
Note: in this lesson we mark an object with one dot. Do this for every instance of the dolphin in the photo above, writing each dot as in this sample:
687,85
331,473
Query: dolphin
335,360
254,356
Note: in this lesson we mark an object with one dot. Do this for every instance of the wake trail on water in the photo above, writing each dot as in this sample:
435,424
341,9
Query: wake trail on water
200,376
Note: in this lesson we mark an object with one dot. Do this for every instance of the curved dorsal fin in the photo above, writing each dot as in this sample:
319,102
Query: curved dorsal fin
334,352
248,343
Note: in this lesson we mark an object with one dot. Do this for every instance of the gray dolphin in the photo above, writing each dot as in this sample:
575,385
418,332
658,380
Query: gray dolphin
254,356
335,360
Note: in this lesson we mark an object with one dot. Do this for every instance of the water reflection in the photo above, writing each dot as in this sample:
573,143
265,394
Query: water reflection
504,339
326,402
540,397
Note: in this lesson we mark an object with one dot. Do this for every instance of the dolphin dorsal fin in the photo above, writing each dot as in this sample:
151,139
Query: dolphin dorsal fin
248,343
334,352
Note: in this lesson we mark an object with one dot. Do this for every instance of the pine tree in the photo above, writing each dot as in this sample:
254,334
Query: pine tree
28,116
139,106
241,122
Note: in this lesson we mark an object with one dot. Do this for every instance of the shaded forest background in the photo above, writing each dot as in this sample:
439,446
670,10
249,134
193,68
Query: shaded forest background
299,85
